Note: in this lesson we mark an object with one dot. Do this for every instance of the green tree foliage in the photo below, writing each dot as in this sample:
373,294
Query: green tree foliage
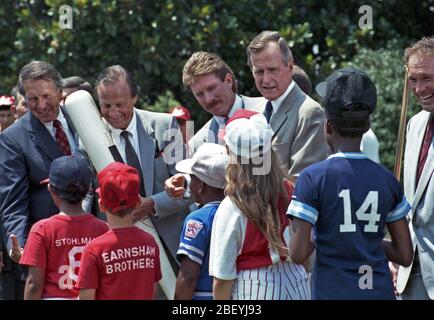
154,38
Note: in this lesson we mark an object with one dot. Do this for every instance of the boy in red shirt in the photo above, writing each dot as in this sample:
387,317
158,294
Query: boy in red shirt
124,263
54,246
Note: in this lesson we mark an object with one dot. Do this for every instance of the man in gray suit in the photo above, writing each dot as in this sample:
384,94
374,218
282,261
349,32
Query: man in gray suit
417,281
149,141
296,119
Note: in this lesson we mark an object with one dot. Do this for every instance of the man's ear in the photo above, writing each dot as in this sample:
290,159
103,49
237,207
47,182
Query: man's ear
202,187
52,193
135,100
101,206
229,79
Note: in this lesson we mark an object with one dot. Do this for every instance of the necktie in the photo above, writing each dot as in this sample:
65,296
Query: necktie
221,133
133,160
268,111
61,138
427,140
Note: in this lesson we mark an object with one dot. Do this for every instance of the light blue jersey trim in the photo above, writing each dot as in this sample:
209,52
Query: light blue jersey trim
348,155
303,211
190,256
399,211
191,248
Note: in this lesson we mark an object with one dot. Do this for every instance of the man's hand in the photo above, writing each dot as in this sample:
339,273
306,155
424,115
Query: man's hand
394,273
145,209
16,251
174,186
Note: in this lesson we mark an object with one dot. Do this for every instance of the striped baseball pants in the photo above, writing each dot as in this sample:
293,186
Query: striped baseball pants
280,281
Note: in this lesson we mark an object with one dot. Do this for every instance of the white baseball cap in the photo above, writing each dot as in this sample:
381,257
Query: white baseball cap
208,164
248,137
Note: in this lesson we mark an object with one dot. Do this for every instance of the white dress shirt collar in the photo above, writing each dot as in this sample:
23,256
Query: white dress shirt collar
276,103
133,136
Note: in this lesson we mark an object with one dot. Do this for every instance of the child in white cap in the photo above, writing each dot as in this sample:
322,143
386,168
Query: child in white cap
207,172
249,257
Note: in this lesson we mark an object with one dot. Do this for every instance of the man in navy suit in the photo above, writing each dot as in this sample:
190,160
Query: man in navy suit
27,149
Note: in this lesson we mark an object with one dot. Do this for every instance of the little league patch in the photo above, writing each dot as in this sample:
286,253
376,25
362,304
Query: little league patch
193,228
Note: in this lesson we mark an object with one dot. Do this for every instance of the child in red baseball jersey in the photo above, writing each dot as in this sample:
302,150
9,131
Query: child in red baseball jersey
249,255
124,263
54,246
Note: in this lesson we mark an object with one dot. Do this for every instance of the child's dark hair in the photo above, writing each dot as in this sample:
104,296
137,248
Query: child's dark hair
350,126
73,196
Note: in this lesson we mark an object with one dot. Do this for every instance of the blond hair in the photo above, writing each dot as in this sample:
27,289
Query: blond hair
423,46
257,197
201,63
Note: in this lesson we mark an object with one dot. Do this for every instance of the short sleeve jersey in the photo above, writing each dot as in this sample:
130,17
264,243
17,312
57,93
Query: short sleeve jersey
237,244
122,264
349,199
56,245
195,242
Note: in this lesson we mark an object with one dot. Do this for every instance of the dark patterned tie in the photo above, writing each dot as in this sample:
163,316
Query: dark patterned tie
133,160
427,140
268,111
61,138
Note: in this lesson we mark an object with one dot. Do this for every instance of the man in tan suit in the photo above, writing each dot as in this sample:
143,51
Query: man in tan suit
296,119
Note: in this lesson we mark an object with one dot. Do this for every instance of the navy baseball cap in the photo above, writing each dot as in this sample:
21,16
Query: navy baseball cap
346,87
69,174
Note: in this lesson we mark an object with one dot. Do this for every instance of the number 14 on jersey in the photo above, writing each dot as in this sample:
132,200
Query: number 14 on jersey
371,201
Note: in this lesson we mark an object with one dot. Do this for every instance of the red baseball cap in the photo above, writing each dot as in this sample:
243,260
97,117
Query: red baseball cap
239,114
181,112
119,186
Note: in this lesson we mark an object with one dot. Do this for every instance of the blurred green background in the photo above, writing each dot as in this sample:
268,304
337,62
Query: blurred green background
153,39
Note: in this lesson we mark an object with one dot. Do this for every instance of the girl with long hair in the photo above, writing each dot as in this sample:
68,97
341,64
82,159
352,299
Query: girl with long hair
249,244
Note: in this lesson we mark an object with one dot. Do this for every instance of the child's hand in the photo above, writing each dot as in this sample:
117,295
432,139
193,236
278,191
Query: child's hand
394,273
16,251
145,209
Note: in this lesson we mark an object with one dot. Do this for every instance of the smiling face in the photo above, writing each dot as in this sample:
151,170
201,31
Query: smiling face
421,79
272,76
43,99
116,102
214,95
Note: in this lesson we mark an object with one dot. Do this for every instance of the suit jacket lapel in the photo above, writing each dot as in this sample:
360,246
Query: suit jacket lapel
416,144
71,126
43,139
426,175
286,106
145,135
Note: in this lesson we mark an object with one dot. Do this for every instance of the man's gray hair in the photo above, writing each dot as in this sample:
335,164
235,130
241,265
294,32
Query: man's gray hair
262,40
37,70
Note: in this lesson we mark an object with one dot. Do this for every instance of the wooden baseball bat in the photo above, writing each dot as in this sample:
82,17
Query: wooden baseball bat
402,125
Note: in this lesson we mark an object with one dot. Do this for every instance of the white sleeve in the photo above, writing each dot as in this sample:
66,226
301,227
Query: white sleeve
227,235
